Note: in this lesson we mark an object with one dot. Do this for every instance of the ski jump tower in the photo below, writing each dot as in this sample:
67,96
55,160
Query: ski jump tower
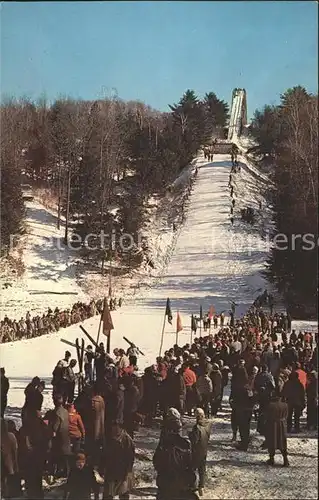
238,114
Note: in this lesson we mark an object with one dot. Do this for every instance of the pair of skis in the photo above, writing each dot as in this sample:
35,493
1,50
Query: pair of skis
80,348
131,344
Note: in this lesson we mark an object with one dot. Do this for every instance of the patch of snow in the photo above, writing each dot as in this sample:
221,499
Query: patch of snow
49,279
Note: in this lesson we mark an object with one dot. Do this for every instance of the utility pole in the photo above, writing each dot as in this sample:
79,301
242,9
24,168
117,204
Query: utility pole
67,207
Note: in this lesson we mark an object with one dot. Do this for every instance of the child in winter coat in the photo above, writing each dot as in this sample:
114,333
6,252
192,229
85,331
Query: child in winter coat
76,428
81,481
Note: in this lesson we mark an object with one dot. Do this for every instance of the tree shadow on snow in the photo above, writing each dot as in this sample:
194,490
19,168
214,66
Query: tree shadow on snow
236,463
219,290
49,270
144,491
304,436
40,216
303,455
225,164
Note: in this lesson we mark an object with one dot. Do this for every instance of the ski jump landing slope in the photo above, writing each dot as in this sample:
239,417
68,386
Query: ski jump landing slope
211,265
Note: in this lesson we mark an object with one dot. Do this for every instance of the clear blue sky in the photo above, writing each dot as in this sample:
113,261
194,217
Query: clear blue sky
154,51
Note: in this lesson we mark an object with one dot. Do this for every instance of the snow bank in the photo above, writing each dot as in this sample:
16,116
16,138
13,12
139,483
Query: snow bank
243,143
184,177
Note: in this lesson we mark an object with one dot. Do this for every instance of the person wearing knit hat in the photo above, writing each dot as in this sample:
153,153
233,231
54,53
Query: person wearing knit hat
172,461
199,414
199,438
173,420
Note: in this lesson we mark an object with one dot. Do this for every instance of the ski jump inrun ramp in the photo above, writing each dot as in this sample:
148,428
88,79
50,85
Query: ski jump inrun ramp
238,114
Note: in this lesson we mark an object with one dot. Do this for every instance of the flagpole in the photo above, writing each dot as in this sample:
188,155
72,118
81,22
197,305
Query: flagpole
108,344
191,331
162,339
99,330
178,326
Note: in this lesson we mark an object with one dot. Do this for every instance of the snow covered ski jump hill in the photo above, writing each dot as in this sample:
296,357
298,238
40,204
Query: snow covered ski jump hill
213,263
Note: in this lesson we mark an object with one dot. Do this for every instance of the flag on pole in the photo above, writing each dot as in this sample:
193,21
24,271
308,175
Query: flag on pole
179,326
168,311
200,313
211,312
107,319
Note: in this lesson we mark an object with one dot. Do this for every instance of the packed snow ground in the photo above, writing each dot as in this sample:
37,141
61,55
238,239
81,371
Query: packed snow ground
209,262
233,474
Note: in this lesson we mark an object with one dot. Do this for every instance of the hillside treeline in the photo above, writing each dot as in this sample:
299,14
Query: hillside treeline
102,159
287,141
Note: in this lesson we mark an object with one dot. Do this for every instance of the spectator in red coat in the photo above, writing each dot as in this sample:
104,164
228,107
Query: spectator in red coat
301,375
190,382
76,428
